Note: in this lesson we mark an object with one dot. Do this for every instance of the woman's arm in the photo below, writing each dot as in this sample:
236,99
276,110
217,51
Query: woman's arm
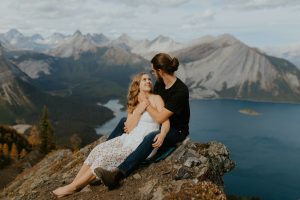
134,117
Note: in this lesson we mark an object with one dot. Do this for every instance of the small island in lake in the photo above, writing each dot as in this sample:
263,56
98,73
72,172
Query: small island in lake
249,112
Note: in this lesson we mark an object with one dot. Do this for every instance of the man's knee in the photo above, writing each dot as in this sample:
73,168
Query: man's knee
122,120
118,130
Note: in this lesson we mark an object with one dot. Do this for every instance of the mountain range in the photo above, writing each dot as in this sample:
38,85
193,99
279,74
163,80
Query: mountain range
212,66
80,70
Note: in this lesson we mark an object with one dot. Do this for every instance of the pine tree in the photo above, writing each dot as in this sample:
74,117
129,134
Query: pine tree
14,152
5,151
23,153
1,147
34,137
46,133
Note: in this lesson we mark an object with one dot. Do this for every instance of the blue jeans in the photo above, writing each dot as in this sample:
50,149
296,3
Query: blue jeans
118,131
145,148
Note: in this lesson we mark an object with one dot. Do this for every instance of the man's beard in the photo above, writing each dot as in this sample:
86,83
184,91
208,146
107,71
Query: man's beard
159,78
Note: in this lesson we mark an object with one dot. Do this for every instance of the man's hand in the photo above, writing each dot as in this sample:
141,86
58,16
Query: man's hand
158,140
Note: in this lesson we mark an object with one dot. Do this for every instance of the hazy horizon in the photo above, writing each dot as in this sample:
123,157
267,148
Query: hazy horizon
257,23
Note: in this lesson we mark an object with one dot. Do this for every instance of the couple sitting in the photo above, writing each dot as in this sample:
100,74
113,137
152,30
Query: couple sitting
133,141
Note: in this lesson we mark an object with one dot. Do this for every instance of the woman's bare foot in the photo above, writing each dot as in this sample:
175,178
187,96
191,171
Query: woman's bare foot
64,191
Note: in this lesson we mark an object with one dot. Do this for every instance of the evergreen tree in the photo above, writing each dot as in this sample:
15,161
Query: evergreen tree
14,152
34,137
23,153
46,133
5,151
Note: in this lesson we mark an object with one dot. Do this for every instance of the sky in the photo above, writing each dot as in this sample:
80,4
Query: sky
257,23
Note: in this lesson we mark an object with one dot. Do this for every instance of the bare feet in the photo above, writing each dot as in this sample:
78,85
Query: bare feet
64,191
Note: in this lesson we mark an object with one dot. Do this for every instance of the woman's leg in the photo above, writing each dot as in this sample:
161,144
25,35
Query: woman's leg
79,182
82,170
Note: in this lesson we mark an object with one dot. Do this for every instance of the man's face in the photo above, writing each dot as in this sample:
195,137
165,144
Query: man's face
156,74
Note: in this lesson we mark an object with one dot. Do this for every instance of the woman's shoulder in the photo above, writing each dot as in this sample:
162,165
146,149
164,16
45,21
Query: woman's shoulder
156,100
154,97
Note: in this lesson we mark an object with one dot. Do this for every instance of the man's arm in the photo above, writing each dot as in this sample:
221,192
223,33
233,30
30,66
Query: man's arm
159,116
165,127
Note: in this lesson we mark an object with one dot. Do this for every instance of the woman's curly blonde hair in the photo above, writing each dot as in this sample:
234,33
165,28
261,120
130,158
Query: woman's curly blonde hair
133,92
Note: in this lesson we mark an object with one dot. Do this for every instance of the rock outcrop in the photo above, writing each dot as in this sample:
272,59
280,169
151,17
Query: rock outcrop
192,171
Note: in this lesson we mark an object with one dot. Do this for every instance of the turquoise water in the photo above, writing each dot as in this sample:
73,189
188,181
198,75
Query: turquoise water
266,147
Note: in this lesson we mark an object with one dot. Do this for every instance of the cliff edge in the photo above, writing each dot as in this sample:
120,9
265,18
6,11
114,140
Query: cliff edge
192,171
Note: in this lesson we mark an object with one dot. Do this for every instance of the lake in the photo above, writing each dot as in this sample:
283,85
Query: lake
265,147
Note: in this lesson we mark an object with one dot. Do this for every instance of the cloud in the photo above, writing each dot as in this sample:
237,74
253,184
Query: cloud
259,4
154,3
202,19
64,16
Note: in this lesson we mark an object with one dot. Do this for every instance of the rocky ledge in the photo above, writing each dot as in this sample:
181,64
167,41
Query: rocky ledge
192,171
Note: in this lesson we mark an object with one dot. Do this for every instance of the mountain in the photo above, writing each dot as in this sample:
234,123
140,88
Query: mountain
160,44
36,37
52,40
37,64
97,75
74,45
192,171
227,68
10,79
99,39
289,52
125,42
198,41
21,100
17,41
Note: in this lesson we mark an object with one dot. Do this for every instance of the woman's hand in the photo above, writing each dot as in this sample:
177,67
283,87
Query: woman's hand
141,107
158,140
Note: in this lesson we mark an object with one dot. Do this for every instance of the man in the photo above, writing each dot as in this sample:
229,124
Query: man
176,98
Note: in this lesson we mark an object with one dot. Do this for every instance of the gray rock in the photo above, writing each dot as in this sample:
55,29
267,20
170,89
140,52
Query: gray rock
203,159
86,189
191,162
183,173
146,190
137,176
158,194
217,148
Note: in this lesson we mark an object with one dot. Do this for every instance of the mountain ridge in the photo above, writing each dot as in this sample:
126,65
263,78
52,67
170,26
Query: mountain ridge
212,66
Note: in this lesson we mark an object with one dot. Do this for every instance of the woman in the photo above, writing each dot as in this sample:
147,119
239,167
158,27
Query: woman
112,153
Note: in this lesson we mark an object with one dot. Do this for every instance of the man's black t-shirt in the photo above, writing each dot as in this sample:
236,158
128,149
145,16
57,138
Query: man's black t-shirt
176,100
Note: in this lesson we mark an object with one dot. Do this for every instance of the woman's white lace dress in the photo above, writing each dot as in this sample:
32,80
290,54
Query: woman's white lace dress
112,153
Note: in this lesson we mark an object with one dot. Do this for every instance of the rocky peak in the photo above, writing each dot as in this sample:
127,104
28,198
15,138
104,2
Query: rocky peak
37,37
13,33
99,39
124,37
162,38
227,39
193,170
77,34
